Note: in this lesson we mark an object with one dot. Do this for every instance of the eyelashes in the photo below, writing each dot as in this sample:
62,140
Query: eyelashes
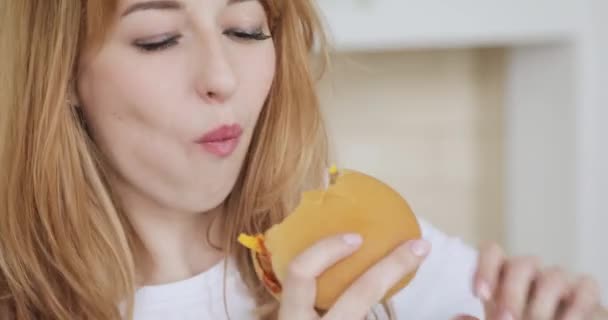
171,41
257,35
163,44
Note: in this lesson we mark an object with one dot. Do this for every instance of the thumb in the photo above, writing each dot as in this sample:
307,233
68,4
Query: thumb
465,317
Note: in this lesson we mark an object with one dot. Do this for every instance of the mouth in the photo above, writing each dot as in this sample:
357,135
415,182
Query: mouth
221,141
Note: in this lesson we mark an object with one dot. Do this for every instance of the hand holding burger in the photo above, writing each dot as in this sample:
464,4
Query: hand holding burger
342,251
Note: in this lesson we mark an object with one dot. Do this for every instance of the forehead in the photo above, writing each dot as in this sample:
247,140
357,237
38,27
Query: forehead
127,6
273,8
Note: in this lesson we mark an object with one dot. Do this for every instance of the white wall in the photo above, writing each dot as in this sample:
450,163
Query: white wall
382,24
593,142
541,153
557,168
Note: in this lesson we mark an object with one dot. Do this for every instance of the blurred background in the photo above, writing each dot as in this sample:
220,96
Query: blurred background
491,117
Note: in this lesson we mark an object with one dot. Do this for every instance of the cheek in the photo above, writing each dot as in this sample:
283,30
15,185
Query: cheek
256,72
120,89
132,116
127,99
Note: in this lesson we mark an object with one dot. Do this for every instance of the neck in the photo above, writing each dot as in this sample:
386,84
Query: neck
172,245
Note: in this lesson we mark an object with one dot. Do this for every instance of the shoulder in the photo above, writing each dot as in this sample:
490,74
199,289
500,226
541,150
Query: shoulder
442,287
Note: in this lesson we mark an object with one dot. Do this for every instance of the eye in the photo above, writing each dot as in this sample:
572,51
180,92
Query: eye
162,44
254,35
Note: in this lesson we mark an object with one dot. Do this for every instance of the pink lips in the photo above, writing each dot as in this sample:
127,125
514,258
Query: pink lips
221,141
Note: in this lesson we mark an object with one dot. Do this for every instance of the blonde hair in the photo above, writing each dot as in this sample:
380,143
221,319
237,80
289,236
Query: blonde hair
65,247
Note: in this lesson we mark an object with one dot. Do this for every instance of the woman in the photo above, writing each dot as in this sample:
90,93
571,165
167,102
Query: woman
139,138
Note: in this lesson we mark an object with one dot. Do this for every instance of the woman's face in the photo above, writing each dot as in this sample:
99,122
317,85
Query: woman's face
174,93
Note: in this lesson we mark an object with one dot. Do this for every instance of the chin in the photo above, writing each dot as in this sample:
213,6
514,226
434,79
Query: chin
206,200
207,188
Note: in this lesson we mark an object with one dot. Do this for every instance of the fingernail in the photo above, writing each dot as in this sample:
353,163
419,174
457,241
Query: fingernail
483,291
506,315
420,248
353,239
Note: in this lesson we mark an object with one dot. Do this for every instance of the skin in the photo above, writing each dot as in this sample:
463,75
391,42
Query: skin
521,288
147,109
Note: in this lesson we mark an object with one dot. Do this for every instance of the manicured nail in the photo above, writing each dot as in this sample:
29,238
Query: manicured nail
483,291
420,248
506,315
353,239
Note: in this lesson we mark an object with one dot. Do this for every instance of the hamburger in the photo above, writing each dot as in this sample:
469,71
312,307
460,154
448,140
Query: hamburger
353,202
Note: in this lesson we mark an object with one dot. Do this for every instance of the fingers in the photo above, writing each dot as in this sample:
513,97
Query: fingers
515,285
487,277
515,289
299,286
584,301
490,263
366,291
549,290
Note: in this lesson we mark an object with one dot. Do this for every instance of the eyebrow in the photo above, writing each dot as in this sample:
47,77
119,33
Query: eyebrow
150,5
162,4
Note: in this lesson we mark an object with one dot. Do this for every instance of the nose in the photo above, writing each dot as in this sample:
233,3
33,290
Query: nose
216,80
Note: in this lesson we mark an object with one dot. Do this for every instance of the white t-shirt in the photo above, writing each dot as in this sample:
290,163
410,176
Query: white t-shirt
441,289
